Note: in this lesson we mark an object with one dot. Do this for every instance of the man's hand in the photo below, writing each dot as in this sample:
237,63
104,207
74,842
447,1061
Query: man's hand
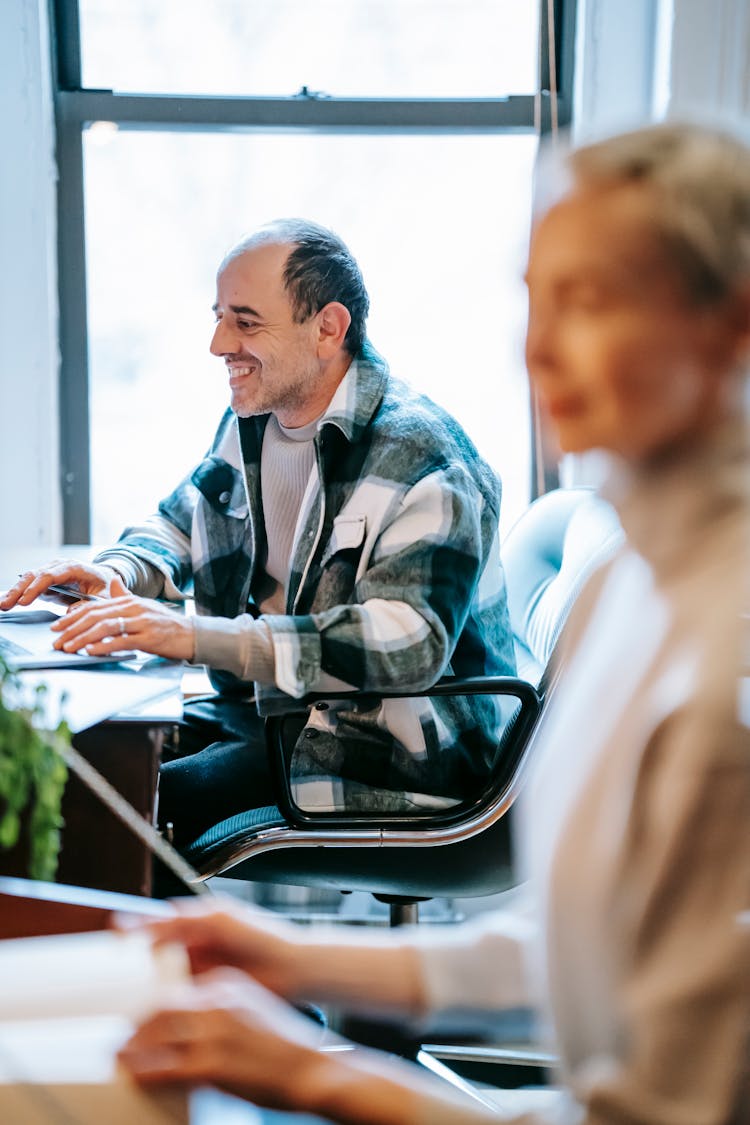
87,577
124,622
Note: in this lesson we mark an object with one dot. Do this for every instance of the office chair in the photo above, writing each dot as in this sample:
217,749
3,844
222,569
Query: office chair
463,851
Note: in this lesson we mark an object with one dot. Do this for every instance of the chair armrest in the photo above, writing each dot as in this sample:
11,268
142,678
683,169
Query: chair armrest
447,685
514,742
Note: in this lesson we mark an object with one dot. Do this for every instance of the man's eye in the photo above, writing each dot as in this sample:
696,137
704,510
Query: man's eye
246,325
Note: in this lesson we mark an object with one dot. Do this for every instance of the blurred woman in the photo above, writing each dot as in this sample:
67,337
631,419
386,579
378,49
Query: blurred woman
635,823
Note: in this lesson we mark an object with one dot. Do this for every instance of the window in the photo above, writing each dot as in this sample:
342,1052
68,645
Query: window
349,48
409,129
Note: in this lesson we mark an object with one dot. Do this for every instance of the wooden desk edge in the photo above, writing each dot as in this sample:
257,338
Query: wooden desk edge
34,909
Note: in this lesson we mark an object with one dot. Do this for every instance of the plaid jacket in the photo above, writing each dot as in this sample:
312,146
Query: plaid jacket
395,581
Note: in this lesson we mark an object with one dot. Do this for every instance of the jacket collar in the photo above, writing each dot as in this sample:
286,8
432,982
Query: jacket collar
352,407
358,395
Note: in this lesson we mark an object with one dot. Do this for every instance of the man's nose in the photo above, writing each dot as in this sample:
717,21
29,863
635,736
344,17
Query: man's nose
224,341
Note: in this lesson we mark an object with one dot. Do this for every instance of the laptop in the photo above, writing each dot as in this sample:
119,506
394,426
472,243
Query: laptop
26,642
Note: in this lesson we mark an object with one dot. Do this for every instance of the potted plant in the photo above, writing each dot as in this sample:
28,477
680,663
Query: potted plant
33,773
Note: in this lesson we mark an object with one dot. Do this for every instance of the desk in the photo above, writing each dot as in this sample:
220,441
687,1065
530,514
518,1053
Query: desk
33,909
97,849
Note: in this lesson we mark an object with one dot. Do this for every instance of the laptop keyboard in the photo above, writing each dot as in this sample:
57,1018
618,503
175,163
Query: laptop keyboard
9,649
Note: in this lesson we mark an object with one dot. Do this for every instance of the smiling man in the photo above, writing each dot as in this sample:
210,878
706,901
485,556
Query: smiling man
281,359
342,531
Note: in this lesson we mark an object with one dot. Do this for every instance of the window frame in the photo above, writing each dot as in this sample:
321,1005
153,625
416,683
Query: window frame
76,107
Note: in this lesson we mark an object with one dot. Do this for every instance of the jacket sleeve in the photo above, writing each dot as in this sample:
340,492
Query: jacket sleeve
481,967
153,558
157,557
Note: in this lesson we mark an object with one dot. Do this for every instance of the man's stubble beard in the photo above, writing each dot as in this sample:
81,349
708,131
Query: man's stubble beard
268,400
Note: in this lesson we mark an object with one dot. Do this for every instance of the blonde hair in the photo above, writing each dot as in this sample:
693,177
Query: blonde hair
699,178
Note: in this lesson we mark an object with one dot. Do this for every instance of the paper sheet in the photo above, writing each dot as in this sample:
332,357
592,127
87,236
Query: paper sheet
67,1004
99,973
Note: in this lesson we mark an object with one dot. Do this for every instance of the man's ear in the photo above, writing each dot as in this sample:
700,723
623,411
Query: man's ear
333,325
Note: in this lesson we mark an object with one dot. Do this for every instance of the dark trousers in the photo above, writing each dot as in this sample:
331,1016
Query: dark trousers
219,768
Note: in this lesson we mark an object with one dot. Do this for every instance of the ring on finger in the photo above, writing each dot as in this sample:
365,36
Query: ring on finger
123,626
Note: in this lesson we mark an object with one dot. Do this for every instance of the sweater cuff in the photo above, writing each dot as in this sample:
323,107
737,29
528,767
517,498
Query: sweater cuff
481,965
139,576
241,645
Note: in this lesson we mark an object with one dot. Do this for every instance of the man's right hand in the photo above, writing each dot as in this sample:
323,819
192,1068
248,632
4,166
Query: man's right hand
86,577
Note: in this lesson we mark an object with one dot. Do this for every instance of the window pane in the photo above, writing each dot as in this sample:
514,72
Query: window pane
438,224
346,48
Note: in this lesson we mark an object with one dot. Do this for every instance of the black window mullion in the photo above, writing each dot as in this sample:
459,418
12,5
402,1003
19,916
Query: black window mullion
143,111
546,477
65,40
75,446
74,427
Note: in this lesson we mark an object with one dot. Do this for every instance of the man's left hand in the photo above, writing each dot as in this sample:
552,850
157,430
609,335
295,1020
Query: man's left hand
125,622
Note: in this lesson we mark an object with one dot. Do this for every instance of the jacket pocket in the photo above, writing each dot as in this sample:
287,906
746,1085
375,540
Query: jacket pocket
339,563
222,487
348,534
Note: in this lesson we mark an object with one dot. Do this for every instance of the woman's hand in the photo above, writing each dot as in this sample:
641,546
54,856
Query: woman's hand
367,971
219,932
229,1032
123,622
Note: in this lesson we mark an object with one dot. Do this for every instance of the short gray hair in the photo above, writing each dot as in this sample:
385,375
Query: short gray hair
699,178
320,268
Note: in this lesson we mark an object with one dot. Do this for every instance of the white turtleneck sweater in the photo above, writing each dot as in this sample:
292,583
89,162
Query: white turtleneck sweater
241,645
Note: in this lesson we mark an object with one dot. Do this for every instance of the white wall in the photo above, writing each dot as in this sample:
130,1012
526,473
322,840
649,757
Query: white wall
29,491
710,58
644,59
615,64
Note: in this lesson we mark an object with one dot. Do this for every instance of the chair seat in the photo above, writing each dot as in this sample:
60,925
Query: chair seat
357,860
233,829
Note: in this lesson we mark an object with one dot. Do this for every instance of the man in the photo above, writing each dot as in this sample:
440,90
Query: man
342,531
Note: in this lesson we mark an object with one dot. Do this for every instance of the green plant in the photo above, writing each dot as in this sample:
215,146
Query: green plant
32,774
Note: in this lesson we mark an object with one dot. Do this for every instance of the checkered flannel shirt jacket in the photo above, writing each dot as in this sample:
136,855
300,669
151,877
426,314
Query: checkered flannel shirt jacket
395,581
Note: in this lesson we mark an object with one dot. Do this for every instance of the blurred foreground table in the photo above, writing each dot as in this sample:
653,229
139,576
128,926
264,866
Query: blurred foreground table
32,909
